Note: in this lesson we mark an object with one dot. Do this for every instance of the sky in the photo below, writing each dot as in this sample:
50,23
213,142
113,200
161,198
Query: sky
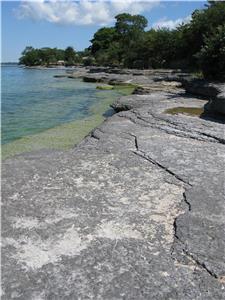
62,23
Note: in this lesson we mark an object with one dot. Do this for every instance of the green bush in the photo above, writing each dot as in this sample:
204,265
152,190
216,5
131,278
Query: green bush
212,55
88,61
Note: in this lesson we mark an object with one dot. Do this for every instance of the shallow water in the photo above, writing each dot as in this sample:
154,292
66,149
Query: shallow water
191,111
40,111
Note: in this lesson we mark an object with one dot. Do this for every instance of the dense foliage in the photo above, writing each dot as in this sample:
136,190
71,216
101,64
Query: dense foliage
49,56
212,55
198,45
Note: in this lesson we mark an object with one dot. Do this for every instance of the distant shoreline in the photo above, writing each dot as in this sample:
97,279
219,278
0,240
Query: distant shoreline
49,68
9,63
53,67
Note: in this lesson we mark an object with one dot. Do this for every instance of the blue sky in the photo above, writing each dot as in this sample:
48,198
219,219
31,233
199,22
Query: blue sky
73,23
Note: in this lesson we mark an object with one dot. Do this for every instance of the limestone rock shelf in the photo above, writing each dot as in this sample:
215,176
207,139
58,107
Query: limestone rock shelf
135,211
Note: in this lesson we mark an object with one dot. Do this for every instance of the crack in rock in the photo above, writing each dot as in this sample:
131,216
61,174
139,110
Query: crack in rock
186,201
196,261
182,130
172,128
190,256
142,154
199,264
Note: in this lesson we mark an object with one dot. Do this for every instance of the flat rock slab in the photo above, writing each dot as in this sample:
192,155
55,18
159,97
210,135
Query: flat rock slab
136,211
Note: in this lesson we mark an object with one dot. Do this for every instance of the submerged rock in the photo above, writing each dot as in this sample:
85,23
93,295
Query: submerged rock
104,87
60,75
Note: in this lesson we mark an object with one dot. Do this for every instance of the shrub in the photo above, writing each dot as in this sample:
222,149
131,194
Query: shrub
212,55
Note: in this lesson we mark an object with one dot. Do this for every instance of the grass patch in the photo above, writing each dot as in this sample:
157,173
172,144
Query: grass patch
191,111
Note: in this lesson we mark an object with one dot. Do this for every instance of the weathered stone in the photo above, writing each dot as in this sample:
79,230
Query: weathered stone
216,105
215,92
165,86
97,69
135,211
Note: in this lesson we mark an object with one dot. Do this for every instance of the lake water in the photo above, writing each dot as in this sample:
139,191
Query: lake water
34,104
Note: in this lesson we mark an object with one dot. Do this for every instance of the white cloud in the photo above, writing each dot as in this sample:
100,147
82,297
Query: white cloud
171,24
83,12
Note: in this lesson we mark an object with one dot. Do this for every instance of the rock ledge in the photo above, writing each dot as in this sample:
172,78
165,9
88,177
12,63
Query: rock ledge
135,211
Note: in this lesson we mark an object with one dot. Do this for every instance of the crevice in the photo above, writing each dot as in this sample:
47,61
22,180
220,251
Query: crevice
183,132
179,126
175,125
135,140
219,140
185,252
191,257
200,264
94,136
151,160
186,201
133,120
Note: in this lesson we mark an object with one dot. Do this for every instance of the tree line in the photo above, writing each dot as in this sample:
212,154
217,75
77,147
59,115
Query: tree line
198,45
50,56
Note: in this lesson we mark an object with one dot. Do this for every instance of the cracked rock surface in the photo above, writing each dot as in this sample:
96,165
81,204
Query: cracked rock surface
135,211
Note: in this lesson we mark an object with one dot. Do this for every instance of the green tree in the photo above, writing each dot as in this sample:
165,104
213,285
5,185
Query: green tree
130,33
102,39
70,56
105,46
212,55
128,25
158,48
30,57
191,36
47,56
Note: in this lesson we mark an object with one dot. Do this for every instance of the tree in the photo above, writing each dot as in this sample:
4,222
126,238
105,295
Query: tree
102,39
203,24
130,33
105,46
212,55
30,57
127,24
48,56
158,48
70,56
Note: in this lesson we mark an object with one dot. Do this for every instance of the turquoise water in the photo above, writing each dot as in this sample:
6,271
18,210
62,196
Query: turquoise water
34,101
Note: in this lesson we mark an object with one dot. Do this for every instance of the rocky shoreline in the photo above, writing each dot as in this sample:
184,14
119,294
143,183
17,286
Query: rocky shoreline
135,211
150,80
